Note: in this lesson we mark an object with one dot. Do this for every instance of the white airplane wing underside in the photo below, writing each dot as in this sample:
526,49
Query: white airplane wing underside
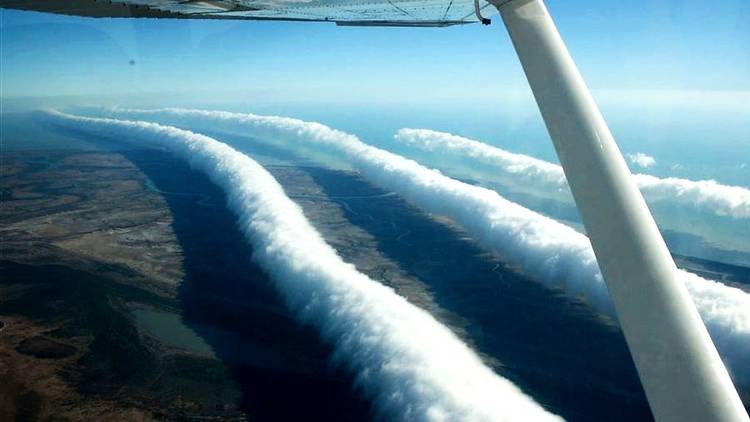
342,12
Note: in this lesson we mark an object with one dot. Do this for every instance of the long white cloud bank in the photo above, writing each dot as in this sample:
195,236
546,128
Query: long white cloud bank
706,195
550,252
413,367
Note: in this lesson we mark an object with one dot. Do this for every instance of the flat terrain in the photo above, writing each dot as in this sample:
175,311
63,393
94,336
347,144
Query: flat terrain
88,208
84,239
127,292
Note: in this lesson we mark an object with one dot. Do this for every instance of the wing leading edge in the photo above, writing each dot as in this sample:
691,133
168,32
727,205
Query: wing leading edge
420,13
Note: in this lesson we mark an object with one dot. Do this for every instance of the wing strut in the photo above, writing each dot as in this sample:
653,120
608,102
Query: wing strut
680,369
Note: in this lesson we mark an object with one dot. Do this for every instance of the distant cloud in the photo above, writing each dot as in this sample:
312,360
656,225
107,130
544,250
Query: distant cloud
538,175
642,160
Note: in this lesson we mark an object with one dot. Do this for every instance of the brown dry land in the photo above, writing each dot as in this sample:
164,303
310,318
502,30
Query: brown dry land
82,238
84,209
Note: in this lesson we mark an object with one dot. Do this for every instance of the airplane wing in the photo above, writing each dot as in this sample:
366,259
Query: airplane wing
423,13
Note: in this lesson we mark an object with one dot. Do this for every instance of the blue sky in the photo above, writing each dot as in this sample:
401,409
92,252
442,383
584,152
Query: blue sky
619,46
